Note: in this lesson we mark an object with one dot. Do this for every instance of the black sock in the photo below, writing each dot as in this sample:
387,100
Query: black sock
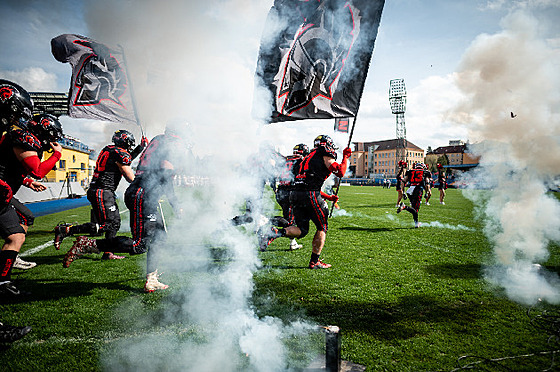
314,257
7,259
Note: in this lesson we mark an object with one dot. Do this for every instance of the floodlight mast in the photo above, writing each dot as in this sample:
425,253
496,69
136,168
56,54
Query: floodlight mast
397,100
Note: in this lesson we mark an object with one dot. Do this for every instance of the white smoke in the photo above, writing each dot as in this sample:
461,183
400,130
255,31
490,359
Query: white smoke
194,62
510,81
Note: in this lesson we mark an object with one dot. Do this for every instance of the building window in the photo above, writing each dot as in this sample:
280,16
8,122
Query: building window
62,164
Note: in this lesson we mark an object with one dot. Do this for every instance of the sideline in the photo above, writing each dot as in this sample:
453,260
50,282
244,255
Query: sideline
31,251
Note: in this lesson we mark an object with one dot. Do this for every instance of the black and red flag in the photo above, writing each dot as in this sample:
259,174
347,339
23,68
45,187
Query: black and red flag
99,88
314,57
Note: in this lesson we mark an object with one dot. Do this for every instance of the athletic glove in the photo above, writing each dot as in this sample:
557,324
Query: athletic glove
144,141
346,152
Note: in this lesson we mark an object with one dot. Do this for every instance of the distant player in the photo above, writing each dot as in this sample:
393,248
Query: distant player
430,182
307,199
112,164
400,184
418,178
442,183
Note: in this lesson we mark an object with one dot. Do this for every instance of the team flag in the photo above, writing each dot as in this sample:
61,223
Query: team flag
99,88
341,124
314,57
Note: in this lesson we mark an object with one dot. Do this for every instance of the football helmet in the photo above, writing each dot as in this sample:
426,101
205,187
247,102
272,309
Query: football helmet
47,128
403,164
124,139
418,166
15,103
326,142
301,149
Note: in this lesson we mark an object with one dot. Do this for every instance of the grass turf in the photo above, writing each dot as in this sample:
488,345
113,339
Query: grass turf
405,299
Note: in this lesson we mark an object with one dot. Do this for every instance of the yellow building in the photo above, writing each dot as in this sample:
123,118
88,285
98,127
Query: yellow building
76,164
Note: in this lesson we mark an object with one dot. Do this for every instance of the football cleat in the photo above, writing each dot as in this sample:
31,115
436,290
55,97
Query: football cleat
81,246
294,245
319,265
61,231
23,265
267,236
10,333
153,284
401,207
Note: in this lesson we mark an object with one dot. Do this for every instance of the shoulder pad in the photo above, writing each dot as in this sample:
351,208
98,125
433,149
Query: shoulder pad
124,156
26,140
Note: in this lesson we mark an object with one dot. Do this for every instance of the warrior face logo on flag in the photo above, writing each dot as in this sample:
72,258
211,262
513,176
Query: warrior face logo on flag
99,77
314,58
99,87
311,68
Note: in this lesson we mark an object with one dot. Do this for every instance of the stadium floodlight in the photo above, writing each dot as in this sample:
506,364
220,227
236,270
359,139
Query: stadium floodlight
397,96
397,100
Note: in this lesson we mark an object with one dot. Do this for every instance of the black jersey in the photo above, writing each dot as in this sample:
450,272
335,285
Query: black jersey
107,174
417,177
291,167
12,171
312,171
151,175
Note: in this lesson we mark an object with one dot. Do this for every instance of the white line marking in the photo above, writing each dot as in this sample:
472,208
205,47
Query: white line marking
31,251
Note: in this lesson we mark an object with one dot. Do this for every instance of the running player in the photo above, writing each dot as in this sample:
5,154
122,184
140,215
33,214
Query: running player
307,199
153,179
21,149
417,176
112,164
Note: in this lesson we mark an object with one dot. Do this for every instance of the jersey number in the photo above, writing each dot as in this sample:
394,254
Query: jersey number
102,161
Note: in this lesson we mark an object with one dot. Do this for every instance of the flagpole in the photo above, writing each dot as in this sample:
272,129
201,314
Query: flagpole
349,142
131,91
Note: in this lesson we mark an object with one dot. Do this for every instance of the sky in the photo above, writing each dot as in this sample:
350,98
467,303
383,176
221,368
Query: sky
421,42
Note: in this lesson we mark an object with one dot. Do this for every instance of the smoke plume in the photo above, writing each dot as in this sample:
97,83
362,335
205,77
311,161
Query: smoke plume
193,63
510,81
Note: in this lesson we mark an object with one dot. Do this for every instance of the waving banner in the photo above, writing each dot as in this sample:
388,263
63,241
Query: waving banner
99,87
314,57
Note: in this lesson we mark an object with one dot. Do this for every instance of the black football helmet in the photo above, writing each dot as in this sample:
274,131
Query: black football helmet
301,149
326,142
46,128
15,104
124,139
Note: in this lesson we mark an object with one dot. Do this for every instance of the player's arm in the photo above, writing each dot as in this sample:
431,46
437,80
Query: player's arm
138,149
336,168
33,185
333,197
126,171
32,163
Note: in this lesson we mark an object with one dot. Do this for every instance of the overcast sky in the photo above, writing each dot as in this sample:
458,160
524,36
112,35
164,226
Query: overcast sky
421,41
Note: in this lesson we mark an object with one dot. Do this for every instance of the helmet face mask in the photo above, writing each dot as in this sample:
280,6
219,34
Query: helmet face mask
301,149
326,142
47,128
124,139
15,103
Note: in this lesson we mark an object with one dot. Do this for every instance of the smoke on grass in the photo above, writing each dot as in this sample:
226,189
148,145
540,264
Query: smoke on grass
194,62
510,81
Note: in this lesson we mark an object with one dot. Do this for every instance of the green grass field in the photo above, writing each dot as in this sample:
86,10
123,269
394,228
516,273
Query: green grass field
405,299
